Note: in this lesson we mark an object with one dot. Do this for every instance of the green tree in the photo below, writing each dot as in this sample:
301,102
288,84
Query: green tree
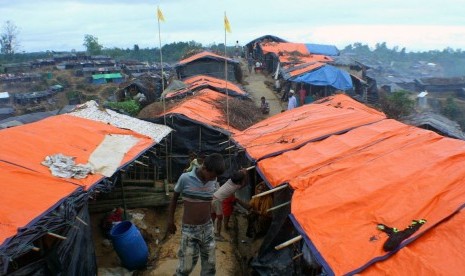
92,45
9,38
397,104
451,110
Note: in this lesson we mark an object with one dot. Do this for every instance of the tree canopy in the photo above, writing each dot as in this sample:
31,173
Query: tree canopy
9,38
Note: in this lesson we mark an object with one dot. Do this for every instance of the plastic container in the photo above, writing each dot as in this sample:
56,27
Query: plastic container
129,245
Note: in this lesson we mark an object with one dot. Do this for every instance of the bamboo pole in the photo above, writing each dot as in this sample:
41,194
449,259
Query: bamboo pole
278,206
230,147
270,191
36,249
297,256
224,142
249,168
140,163
81,221
56,236
287,243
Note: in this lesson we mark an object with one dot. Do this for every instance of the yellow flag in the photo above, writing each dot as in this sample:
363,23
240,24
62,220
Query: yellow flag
160,15
227,27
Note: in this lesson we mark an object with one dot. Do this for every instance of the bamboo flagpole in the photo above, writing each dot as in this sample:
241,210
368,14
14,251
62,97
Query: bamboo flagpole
227,29
161,17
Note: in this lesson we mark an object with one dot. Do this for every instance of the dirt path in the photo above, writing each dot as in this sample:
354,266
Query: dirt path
256,87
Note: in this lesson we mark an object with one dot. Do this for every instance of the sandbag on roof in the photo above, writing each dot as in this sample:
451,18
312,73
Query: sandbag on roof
294,128
28,145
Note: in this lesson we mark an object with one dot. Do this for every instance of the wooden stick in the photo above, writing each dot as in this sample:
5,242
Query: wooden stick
36,249
224,142
278,206
140,163
81,221
230,147
270,191
249,168
289,242
297,256
56,235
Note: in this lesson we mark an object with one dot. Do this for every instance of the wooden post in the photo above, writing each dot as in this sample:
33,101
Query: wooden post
81,221
278,206
56,235
289,242
270,191
297,256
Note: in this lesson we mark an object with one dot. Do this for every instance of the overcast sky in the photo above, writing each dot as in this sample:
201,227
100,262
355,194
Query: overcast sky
60,25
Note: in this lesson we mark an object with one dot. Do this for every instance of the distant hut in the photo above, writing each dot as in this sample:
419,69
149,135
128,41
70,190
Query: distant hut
211,64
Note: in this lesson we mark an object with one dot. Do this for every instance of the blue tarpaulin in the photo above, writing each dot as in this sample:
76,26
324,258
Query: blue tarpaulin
327,75
321,49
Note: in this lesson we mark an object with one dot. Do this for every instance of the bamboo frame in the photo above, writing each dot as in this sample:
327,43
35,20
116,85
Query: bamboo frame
270,191
289,242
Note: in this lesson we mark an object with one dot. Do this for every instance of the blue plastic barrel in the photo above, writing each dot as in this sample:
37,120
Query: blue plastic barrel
129,245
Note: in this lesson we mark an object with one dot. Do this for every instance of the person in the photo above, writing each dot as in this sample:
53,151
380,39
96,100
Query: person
292,103
265,106
302,95
197,231
259,218
250,62
228,207
238,49
258,66
195,162
236,182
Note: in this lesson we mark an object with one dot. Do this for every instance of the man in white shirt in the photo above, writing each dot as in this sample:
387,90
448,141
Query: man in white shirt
292,100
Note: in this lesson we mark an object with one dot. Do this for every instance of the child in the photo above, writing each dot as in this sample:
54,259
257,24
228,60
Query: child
236,182
265,106
228,206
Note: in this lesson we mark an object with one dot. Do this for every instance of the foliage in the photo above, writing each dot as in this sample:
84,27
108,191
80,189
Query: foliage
70,95
9,38
130,107
451,110
397,104
92,45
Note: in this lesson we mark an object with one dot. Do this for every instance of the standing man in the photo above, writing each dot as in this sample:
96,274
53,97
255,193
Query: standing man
197,231
292,100
250,63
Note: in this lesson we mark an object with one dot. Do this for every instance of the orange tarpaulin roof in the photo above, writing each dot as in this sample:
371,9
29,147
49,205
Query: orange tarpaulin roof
295,128
203,108
304,68
28,145
205,54
201,81
276,47
26,195
386,172
304,59
439,251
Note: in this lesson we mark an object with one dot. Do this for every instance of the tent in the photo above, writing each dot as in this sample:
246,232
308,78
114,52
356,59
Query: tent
200,126
200,82
211,64
39,206
290,130
327,76
345,184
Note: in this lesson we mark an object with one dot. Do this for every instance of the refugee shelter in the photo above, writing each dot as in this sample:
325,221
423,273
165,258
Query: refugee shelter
44,222
211,64
200,82
106,78
342,186
200,125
